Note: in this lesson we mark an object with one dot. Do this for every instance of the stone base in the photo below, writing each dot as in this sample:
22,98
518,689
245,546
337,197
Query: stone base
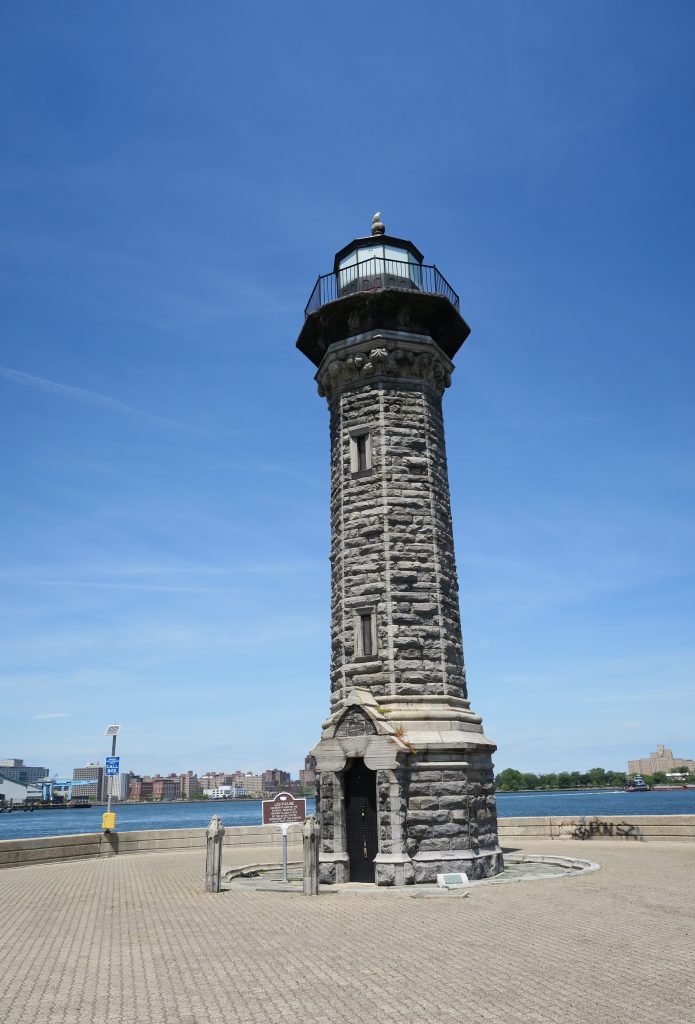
481,864
397,869
435,798
334,868
393,869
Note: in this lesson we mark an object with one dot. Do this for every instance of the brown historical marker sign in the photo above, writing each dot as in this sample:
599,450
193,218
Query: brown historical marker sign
283,810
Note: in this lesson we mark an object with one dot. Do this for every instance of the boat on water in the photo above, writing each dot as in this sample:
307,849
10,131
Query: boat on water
636,785
677,785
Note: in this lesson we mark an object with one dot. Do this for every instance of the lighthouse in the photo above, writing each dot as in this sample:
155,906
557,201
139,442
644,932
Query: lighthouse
404,770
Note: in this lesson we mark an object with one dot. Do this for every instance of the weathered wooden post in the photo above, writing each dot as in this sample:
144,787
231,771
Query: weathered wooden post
310,842
213,860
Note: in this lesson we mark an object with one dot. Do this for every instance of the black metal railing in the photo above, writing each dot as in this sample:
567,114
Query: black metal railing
375,274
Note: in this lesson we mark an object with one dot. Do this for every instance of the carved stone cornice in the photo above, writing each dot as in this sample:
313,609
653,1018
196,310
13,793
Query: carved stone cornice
382,357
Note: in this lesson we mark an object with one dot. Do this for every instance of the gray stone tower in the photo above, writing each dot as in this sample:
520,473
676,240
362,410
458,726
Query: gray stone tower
403,768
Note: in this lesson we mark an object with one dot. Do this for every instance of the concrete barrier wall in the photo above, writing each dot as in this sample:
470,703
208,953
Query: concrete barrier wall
97,844
267,839
634,828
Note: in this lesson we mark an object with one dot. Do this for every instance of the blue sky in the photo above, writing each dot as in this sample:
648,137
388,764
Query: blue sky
172,179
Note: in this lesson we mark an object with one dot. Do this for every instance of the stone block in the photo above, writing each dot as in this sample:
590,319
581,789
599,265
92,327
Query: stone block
426,803
460,816
435,844
426,777
450,802
427,817
418,831
448,829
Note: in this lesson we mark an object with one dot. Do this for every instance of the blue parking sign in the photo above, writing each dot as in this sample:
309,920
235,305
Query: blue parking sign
112,765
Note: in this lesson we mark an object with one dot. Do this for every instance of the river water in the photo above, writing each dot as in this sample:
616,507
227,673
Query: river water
132,817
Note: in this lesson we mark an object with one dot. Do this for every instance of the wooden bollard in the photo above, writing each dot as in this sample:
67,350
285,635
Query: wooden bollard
310,843
213,860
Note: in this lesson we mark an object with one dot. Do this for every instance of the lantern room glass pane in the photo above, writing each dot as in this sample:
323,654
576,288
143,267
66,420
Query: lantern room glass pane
347,273
396,261
370,252
375,265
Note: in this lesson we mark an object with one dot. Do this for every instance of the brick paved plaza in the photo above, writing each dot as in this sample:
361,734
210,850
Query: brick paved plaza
134,939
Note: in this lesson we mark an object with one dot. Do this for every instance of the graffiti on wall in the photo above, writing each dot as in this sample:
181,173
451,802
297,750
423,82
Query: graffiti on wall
595,828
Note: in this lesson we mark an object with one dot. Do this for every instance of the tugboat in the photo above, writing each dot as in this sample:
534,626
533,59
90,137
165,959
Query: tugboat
636,785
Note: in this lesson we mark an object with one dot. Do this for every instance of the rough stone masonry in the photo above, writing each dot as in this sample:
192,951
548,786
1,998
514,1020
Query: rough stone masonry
399,701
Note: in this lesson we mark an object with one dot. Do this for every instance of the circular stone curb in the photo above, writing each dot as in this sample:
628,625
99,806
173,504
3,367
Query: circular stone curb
572,866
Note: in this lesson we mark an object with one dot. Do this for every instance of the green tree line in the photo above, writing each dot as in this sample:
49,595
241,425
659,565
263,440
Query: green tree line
596,778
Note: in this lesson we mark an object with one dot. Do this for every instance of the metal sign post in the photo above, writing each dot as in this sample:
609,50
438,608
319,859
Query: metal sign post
284,810
284,852
108,820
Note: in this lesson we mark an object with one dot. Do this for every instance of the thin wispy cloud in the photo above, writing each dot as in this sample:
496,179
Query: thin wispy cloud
92,398
105,585
159,577
51,714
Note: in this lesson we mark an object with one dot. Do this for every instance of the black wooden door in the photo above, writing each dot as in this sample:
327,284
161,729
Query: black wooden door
360,821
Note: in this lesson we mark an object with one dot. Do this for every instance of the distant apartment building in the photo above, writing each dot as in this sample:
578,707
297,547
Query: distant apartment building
94,790
211,780
307,774
168,788
155,787
274,780
248,784
661,760
190,785
15,770
140,789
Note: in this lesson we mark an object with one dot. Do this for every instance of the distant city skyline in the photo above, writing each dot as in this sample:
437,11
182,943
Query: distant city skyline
661,759
172,190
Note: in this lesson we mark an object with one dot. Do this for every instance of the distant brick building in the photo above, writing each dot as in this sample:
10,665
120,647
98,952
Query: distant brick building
275,780
307,774
140,789
168,788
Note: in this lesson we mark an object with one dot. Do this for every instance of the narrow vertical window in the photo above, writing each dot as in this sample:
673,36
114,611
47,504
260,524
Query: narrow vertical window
367,640
361,443
360,451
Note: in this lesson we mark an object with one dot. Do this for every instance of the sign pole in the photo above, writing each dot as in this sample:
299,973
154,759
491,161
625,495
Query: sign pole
108,783
284,852
108,820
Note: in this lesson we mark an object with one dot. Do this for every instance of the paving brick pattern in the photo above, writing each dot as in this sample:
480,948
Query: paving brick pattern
135,939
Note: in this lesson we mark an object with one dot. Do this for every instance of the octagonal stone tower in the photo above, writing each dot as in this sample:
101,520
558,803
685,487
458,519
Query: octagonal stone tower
404,771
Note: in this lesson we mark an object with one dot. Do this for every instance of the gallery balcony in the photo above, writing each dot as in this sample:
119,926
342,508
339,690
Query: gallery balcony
376,274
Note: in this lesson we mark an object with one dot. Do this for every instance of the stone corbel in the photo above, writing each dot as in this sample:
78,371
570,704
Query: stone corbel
342,369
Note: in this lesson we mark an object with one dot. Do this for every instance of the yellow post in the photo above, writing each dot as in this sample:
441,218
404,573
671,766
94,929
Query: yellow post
108,821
